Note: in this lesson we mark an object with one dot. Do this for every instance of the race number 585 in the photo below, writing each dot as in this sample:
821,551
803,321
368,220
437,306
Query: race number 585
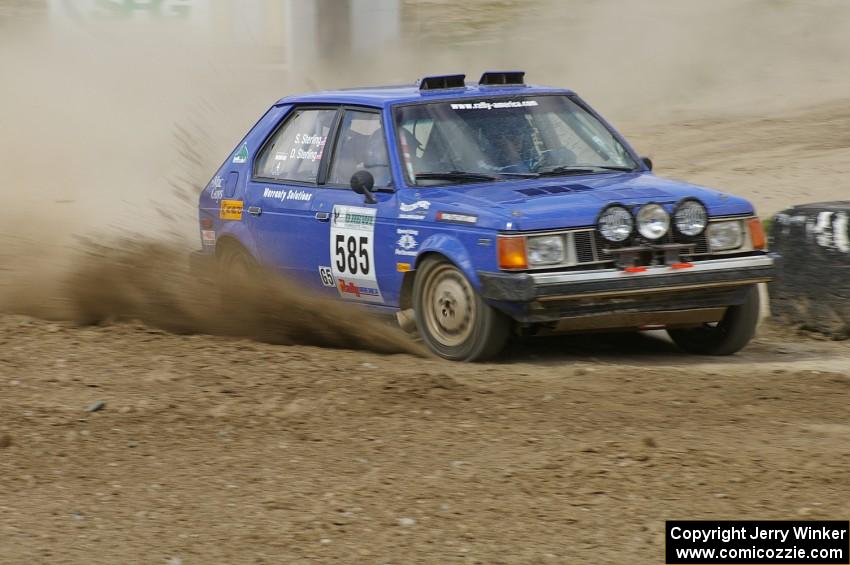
352,254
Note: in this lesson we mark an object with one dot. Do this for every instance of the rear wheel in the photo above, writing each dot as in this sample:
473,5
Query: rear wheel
725,337
236,269
452,318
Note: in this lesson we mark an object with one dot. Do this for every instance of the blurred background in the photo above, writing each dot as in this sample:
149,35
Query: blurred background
115,112
120,440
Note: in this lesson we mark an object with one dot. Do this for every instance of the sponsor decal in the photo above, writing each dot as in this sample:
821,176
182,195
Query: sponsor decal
406,243
348,217
348,287
483,105
290,194
403,267
327,277
215,188
241,156
420,205
352,253
411,217
230,210
208,238
456,218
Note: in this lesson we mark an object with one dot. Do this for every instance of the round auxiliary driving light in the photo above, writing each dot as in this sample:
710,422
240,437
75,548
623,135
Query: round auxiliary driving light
690,218
653,221
615,224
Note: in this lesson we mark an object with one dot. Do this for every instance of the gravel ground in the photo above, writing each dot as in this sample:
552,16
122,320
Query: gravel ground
123,444
127,444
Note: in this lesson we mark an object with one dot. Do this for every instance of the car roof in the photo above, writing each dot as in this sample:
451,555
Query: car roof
383,96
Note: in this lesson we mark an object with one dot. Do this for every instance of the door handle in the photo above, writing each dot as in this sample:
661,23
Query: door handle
323,216
255,210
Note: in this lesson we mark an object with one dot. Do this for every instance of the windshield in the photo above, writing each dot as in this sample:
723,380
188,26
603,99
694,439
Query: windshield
498,138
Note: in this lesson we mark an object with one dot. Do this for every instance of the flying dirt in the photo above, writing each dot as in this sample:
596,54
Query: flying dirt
151,283
143,419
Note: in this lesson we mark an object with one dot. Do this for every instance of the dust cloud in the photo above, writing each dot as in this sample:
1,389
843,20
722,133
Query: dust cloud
150,282
114,116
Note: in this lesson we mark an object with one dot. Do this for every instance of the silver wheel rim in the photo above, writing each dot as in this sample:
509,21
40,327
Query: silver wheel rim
449,305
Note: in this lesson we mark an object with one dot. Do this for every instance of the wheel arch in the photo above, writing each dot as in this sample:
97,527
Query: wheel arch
452,249
429,251
446,247
228,242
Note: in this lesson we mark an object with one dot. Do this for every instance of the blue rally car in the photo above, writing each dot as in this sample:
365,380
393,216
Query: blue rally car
477,212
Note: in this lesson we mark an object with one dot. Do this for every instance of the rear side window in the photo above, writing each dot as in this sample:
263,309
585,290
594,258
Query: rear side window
360,146
295,150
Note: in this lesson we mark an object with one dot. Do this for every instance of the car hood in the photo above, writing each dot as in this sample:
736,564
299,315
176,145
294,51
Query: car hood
572,201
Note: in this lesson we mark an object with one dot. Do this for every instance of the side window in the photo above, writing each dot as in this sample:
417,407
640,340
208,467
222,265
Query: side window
360,145
295,150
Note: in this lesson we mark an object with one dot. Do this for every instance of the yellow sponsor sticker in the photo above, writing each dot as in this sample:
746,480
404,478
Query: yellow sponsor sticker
230,210
402,267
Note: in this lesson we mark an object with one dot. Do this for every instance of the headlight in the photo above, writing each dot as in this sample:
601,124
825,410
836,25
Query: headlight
690,218
616,224
653,221
724,235
545,250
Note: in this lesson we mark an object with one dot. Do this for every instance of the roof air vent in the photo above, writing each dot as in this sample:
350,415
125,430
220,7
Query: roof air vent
442,81
501,78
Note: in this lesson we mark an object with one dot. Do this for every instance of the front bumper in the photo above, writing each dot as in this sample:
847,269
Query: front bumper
712,283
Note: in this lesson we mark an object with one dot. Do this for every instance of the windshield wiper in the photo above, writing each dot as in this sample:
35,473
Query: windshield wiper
616,168
520,175
580,169
454,175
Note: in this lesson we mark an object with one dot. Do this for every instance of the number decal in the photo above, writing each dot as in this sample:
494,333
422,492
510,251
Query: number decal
364,255
340,253
348,251
327,277
352,253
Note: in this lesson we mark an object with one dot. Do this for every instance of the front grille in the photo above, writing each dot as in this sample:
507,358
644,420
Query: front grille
590,246
588,249
585,252
602,244
702,245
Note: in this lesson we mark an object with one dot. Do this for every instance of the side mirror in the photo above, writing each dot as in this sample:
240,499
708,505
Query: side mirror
362,183
647,161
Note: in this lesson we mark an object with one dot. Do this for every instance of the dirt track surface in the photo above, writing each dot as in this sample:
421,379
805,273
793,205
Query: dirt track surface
219,450
211,450
215,450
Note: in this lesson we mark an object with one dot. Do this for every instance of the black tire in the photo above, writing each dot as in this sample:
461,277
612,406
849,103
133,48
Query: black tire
727,336
236,269
452,318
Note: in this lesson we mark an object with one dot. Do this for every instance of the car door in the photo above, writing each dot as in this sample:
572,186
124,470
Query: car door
354,252
280,192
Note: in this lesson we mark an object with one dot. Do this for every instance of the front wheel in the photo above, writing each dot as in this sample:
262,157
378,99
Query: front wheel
452,318
725,337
